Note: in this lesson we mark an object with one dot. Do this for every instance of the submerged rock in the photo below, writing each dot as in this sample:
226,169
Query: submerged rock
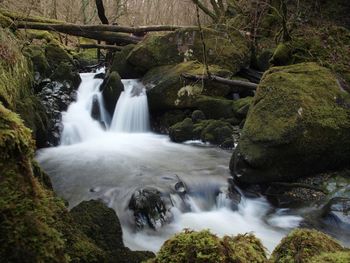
95,109
302,244
149,208
298,125
337,212
203,246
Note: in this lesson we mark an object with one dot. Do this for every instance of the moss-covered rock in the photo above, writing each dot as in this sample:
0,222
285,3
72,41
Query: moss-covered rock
298,125
168,90
241,107
196,247
229,50
244,248
111,88
282,55
122,66
336,257
302,244
215,107
182,131
197,116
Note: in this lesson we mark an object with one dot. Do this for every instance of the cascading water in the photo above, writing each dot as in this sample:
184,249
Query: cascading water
113,164
131,112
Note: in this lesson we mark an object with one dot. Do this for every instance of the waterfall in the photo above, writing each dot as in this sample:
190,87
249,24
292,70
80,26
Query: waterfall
131,113
87,118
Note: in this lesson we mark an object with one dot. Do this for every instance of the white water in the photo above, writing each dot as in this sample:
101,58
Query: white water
131,112
93,163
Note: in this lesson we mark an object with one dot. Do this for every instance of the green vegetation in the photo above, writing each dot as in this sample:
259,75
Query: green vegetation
302,244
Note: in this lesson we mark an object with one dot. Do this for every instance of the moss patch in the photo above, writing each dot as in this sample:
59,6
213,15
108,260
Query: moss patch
302,244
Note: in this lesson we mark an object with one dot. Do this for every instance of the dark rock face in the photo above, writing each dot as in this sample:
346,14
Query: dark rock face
101,224
122,66
149,208
56,97
295,127
111,88
95,110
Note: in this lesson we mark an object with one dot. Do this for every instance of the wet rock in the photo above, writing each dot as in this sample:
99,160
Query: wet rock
100,76
149,208
337,212
295,127
95,109
197,116
162,122
122,66
111,88
182,131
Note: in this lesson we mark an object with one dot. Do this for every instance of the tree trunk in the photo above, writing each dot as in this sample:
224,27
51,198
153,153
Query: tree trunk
101,12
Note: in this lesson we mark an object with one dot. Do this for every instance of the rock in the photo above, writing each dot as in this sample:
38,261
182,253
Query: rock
215,107
298,125
197,116
163,122
111,88
182,131
337,212
282,55
241,107
122,66
302,244
263,60
167,90
185,45
203,246
95,109
149,208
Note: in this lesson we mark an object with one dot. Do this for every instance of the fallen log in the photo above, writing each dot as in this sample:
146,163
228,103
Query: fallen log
108,28
71,29
230,82
23,17
110,47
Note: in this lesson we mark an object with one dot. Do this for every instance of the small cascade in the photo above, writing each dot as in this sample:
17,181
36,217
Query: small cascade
78,123
131,113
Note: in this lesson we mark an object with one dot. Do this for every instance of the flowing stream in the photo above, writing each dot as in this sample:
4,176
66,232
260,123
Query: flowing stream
114,160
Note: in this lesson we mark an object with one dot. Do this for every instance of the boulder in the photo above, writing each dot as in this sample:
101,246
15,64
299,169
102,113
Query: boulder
229,50
298,125
167,89
203,246
302,244
149,208
122,66
182,131
197,116
215,107
337,212
111,88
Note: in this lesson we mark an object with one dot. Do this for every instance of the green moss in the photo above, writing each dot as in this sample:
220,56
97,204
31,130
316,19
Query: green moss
241,106
15,71
122,66
336,257
20,16
244,248
282,55
111,88
182,131
167,86
191,246
203,246
298,124
5,21
302,244
230,51
215,107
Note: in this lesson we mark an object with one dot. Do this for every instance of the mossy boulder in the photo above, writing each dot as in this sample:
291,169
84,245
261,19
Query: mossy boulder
182,131
215,107
283,55
111,88
229,50
163,121
242,106
197,116
336,257
213,131
167,90
122,66
298,125
302,244
203,246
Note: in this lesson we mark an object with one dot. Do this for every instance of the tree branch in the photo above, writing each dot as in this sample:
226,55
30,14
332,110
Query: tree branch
110,47
205,9
101,12
230,82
